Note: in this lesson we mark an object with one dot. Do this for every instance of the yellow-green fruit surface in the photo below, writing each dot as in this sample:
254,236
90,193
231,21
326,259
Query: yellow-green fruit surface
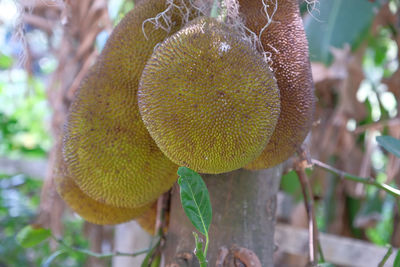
286,41
88,208
148,219
107,149
208,99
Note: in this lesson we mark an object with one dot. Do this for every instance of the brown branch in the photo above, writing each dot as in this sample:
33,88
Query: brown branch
309,204
365,180
160,226
160,217
39,22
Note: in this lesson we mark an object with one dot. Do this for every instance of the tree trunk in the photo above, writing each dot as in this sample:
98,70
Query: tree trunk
244,204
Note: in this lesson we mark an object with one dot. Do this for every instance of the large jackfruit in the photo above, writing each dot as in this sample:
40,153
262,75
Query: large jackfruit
88,208
208,99
108,150
286,41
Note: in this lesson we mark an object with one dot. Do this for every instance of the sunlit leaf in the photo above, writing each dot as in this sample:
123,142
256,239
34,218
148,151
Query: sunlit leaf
195,199
5,61
389,143
329,25
28,236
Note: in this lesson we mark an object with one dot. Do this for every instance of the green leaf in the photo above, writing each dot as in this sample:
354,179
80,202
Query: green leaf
397,259
156,262
5,61
291,185
328,26
28,236
195,199
389,143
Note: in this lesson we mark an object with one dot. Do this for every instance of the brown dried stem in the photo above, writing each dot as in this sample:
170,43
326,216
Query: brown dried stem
309,204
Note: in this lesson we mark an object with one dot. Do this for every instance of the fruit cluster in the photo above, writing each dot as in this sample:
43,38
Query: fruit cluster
197,95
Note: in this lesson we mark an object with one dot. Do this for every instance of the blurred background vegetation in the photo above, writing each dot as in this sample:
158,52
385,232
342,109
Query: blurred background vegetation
46,48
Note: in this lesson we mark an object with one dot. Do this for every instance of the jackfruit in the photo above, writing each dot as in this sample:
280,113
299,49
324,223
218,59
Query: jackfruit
286,41
88,208
148,220
208,99
107,149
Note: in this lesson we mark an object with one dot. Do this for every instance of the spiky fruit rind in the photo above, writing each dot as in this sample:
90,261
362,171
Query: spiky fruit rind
88,208
208,99
109,152
286,41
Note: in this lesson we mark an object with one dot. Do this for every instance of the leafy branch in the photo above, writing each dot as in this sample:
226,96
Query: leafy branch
100,255
389,143
30,236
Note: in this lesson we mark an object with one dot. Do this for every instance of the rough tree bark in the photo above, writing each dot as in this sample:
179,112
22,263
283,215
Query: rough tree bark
243,203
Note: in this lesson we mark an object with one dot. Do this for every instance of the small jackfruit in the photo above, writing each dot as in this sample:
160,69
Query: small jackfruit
286,41
88,208
208,99
107,148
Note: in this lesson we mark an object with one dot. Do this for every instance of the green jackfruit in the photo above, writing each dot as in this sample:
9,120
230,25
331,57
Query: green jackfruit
208,99
106,147
88,208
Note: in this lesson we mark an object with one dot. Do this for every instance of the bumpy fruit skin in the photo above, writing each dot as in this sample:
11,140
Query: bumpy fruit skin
291,66
208,99
107,148
88,208
148,220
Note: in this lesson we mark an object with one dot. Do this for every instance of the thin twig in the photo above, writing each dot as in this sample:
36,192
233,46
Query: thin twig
365,180
159,215
309,204
321,253
99,255
386,257
377,125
